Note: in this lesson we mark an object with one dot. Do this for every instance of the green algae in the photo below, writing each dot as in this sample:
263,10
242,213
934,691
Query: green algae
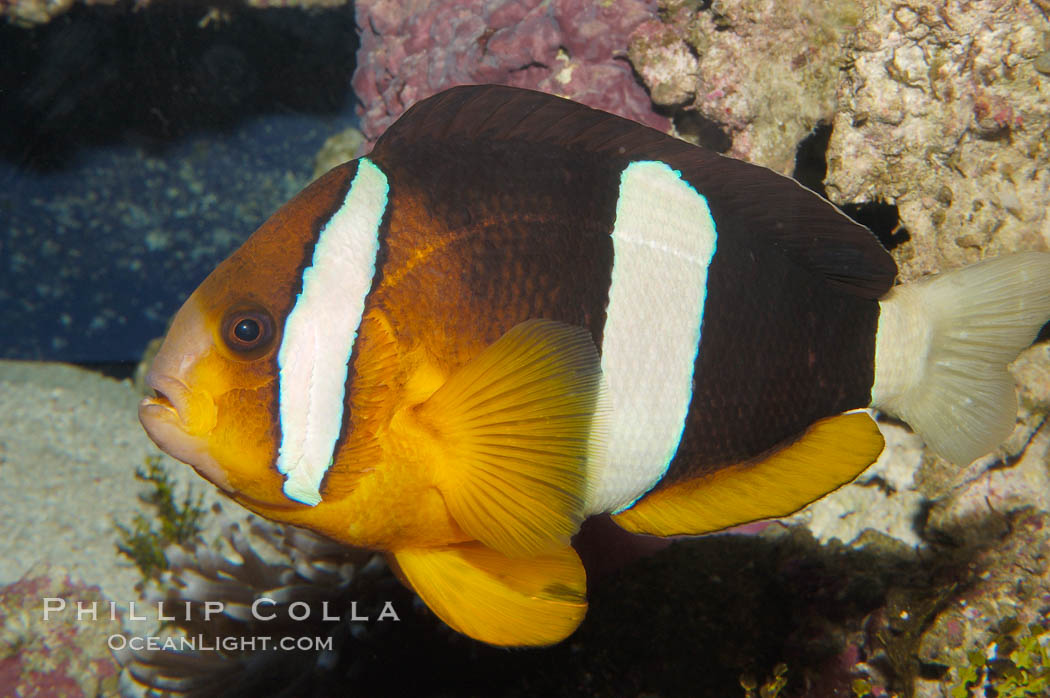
175,521
1016,664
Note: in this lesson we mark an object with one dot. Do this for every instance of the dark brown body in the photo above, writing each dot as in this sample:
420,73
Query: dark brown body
486,232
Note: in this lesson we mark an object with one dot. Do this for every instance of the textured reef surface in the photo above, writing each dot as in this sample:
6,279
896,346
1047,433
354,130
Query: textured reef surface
765,73
45,656
937,108
926,120
574,48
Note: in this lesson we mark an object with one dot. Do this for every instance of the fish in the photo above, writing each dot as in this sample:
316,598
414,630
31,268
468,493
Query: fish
517,312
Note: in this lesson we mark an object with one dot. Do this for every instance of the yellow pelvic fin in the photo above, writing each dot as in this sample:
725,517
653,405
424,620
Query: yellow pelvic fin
831,453
497,599
511,435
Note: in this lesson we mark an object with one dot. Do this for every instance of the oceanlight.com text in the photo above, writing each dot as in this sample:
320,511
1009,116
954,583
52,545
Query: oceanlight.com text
200,643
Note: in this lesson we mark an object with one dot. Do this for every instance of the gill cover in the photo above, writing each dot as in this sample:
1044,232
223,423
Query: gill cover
216,374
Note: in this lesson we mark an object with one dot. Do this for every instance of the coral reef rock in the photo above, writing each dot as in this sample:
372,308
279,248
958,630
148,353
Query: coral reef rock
765,72
883,498
60,655
914,497
1008,585
994,487
944,113
940,108
980,531
574,48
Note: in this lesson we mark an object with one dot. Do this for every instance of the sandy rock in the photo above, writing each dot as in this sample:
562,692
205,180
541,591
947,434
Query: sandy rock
665,61
1032,372
937,107
70,443
883,499
944,114
993,488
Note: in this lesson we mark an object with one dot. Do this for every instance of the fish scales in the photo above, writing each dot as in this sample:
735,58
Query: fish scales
538,246
801,352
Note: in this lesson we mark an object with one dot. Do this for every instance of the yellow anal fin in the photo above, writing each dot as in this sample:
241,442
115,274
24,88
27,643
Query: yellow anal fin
497,599
831,453
512,436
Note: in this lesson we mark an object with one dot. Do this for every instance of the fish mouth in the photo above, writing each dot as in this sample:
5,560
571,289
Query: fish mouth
166,419
169,394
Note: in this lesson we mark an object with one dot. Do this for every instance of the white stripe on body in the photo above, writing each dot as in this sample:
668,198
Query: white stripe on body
320,331
663,241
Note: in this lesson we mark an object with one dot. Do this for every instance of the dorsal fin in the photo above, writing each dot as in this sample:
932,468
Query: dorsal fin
746,200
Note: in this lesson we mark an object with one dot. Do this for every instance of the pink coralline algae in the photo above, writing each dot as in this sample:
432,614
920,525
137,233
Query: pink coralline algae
56,654
574,48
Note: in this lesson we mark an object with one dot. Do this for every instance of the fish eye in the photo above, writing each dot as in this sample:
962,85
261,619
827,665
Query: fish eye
248,332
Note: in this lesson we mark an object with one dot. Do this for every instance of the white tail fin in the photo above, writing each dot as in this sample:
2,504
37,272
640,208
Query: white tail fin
942,348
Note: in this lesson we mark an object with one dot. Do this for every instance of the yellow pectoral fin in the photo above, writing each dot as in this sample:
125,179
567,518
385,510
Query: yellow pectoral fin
514,435
831,453
496,599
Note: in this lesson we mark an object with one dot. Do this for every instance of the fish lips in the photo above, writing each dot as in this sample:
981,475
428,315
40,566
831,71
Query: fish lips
164,417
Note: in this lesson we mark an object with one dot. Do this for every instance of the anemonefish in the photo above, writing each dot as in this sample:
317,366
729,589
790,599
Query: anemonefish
517,312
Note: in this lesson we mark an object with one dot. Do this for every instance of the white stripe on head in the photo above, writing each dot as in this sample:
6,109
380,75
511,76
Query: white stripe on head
320,331
663,241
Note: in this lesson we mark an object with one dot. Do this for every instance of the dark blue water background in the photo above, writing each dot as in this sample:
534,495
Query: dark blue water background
130,166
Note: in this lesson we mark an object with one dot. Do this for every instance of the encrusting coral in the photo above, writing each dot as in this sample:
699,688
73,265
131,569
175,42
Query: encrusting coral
53,630
936,107
764,72
944,113
574,48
